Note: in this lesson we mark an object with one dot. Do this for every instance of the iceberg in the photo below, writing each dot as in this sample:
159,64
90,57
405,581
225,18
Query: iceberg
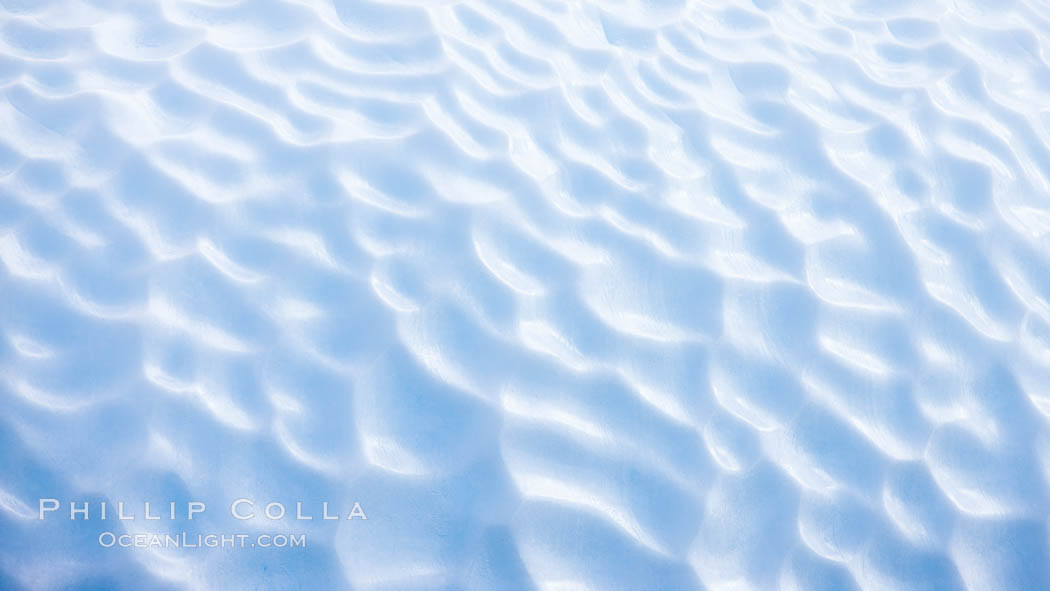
525,294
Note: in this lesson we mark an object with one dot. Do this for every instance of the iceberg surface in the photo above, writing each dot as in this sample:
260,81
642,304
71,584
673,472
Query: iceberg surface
525,294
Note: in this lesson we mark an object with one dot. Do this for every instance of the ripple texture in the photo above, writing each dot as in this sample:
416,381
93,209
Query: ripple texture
632,294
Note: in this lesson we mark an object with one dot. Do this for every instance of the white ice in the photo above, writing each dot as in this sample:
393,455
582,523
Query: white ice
568,295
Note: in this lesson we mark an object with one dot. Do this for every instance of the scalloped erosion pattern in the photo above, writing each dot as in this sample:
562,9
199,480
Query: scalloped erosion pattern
635,294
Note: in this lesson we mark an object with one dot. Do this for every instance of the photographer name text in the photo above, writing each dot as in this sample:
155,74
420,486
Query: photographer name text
241,509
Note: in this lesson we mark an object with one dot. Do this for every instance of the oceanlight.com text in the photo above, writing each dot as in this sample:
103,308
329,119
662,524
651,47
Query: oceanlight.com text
109,539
